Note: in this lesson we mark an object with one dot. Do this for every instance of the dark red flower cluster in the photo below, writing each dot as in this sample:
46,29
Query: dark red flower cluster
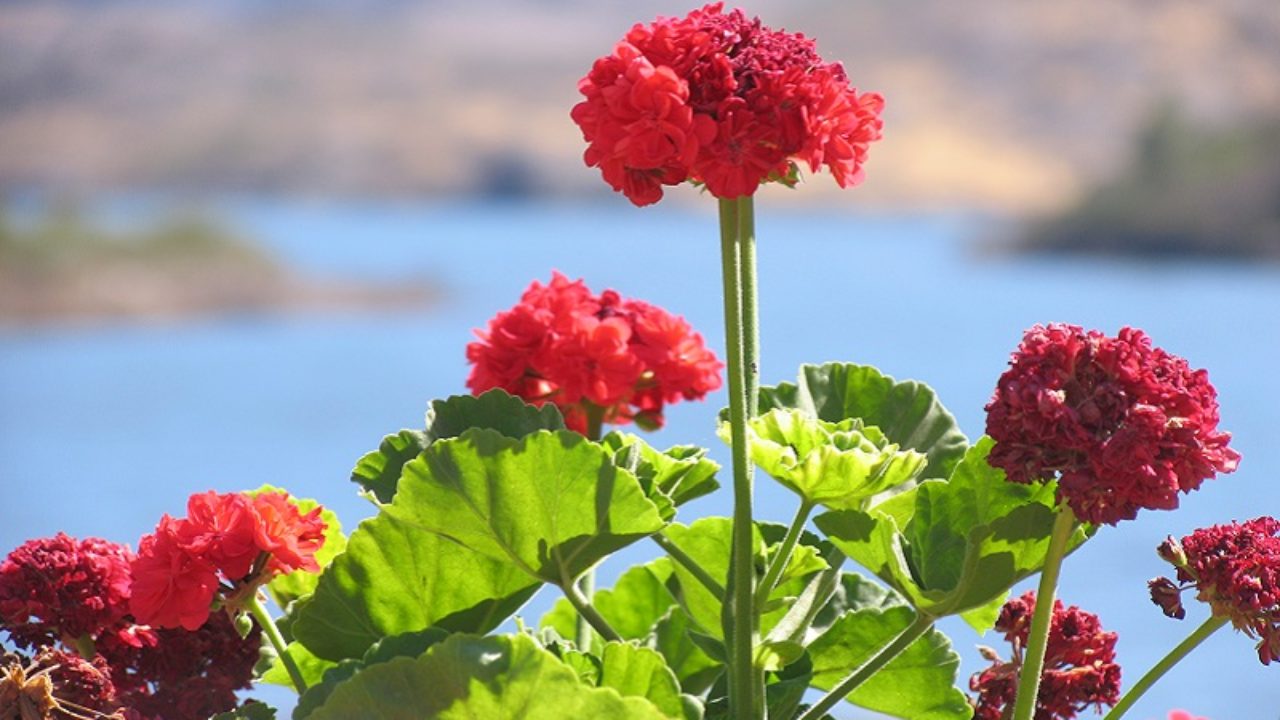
719,98
564,345
62,588
65,593
1235,568
244,540
1079,666
1122,425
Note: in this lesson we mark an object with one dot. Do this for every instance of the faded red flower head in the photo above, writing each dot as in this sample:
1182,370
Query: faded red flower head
1079,665
1122,425
1235,568
564,345
719,98
235,538
60,587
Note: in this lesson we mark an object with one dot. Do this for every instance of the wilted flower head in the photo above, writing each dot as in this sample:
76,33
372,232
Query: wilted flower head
237,538
1235,568
564,345
60,587
1079,665
719,98
1122,425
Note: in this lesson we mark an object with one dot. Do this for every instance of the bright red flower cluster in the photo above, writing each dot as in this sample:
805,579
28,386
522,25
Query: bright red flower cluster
719,98
1121,424
242,539
1079,666
60,592
62,588
564,345
1235,568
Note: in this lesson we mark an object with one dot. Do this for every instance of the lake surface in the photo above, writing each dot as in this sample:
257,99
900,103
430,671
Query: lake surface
102,430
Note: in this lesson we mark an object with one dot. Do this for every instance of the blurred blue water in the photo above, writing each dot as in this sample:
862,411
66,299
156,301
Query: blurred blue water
103,430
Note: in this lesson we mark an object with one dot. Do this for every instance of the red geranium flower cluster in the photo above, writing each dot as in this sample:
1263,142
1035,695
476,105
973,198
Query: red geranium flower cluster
1235,568
241,539
1121,424
64,593
61,588
1079,666
565,345
719,98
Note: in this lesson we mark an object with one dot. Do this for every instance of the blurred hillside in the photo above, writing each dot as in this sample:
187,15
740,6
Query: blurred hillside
996,104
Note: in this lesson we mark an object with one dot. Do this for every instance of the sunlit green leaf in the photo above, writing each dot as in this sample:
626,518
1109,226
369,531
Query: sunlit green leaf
551,503
955,546
840,465
396,577
641,672
312,667
468,677
907,411
682,473
378,472
918,684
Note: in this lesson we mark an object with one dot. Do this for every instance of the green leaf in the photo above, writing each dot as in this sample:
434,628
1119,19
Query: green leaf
251,710
494,410
641,672
707,542
410,644
396,577
298,584
682,473
919,684
313,668
840,465
907,411
551,503
467,677
633,606
378,472
955,546
694,668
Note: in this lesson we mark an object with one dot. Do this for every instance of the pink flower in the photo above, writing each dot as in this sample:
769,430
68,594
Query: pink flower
720,99
1120,424
1235,568
60,587
171,586
1183,715
564,345
1079,666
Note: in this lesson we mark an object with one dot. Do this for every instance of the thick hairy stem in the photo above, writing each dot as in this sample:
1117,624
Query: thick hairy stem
745,698
587,583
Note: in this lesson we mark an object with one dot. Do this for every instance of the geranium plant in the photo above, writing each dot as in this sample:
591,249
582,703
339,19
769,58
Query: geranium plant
524,484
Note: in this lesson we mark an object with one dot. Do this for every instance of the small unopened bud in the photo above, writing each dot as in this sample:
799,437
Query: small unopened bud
244,625
1171,551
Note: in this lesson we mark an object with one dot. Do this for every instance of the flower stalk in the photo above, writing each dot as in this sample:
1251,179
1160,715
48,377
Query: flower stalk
746,686
259,612
779,561
1157,671
587,583
1038,636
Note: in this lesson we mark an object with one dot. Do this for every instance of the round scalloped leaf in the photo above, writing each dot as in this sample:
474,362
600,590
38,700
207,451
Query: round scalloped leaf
550,503
953,547
907,411
919,684
396,577
467,677
682,473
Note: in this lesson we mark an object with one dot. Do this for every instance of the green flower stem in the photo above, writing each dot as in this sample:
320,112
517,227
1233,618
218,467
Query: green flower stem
587,583
259,613
779,562
922,624
750,303
1158,670
1038,635
746,686
699,573
585,610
